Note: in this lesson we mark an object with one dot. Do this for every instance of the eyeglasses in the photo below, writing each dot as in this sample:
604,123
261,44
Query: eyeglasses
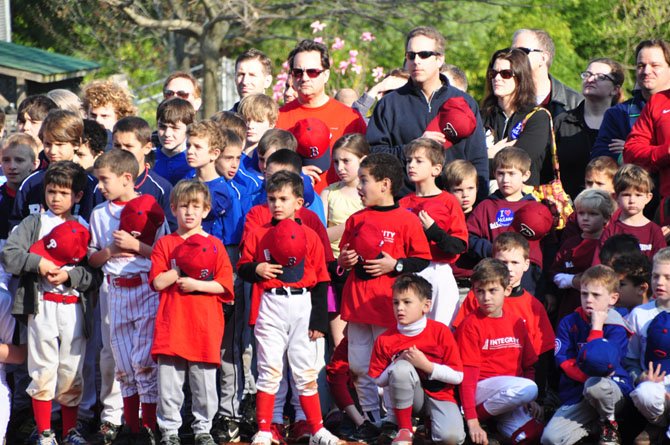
312,73
181,94
505,74
423,55
599,76
529,50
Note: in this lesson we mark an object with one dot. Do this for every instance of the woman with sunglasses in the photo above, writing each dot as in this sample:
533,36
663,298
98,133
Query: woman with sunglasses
577,129
510,97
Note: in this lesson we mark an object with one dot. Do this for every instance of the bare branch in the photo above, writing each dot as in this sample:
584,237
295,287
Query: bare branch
178,25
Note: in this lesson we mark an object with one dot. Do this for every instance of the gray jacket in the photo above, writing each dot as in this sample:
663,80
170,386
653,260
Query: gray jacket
24,265
563,98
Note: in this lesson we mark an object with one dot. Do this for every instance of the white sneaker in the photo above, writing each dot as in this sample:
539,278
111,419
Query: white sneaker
262,438
325,437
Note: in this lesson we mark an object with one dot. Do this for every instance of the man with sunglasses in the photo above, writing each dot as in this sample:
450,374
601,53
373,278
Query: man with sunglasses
551,93
184,86
403,115
309,64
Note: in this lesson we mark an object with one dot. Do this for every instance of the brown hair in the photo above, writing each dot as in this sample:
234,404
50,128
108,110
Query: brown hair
654,43
308,45
603,275
602,164
631,176
22,140
276,138
385,166
458,171
62,126
415,284
188,191
490,270
432,149
231,121
211,131
524,92
512,157
36,107
184,75
173,111
135,125
617,73
255,54
544,40
354,143
102,92
285,178
431,33
118,162
259,108
507,241
66,174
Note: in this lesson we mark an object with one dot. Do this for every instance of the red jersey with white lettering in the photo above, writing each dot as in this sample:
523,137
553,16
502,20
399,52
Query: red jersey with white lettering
437,343
454,225
497,346
526,306
369,301
649,235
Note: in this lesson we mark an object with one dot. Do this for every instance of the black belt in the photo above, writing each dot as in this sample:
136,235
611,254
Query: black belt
287,291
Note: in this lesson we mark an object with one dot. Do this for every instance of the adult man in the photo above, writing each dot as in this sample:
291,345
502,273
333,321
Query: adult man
253,74
551,93
309,63
648,143
183,85
403,115
652,59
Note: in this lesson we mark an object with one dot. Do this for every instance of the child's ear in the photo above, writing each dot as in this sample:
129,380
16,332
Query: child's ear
642,289
437,169
301,201
428,304
614,297
527,264
78,196
147,148
526,176
508,290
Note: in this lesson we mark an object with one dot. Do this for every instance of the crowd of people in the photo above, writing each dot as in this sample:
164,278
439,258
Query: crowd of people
378,268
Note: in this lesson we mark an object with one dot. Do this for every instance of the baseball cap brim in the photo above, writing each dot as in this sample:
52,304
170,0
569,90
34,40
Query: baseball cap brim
359,270
39,248
323,162
292,274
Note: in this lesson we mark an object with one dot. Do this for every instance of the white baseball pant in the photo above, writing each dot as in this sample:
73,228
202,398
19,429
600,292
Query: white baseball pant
649,398
505,398
361,342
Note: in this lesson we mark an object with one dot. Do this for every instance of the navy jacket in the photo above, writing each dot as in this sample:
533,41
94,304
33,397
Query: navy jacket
617,124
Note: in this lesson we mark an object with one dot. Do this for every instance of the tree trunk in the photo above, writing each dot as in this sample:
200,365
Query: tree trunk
211,43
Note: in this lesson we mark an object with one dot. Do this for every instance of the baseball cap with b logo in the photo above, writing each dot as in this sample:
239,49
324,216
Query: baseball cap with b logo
455,120
142,217
196,257
65,244
286,244
313,138
367,241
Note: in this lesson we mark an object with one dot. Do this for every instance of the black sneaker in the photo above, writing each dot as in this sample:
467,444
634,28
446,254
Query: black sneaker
145,437
105,434
204,439
387,433
609,433
225,429
366,432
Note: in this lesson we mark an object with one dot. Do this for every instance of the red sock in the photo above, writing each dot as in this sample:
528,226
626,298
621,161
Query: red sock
404,417
265,403
42,412
69,416
482,414
131,412
149,415
311,405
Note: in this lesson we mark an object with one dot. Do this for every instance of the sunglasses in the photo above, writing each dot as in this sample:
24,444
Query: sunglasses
181,94
599,76
312,73
529,50
505,74
423,55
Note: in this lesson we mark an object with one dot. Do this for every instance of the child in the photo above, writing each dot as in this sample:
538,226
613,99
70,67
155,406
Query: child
340,201
45,251
61,134
599,174
93,144
133,134
225,220
285,258
260,113
632,188
396,244
495,214
588,396
443,224
498,360
593,208
192,272
635,280
106,102
29,118
123,231
649,394
173,117
460,179
418,360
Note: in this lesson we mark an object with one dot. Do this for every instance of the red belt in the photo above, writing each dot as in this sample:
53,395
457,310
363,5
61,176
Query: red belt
60,298
125,281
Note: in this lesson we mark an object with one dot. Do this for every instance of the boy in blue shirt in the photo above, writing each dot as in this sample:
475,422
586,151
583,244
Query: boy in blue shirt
173,117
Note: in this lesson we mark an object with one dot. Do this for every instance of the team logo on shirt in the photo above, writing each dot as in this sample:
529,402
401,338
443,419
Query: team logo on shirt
645,247
389,237
504,218
501,343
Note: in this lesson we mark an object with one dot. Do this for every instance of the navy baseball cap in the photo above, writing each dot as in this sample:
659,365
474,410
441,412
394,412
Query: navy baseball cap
658,341
598,358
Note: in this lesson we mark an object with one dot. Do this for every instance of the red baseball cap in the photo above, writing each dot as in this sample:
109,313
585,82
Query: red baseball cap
455,120
67,243
286,244
196,257
534,221
367,241
142,217
313,137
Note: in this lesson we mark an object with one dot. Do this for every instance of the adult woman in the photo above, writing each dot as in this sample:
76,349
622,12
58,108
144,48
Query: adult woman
576,130
510,96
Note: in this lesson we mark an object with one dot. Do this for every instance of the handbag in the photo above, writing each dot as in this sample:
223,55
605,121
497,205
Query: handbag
553,193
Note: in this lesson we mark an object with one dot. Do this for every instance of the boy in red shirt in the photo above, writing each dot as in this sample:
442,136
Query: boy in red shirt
498,360
443,223
418,361
192,272
286,260
378,243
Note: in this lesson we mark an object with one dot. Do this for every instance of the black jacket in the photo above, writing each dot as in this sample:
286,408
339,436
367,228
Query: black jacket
563,98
